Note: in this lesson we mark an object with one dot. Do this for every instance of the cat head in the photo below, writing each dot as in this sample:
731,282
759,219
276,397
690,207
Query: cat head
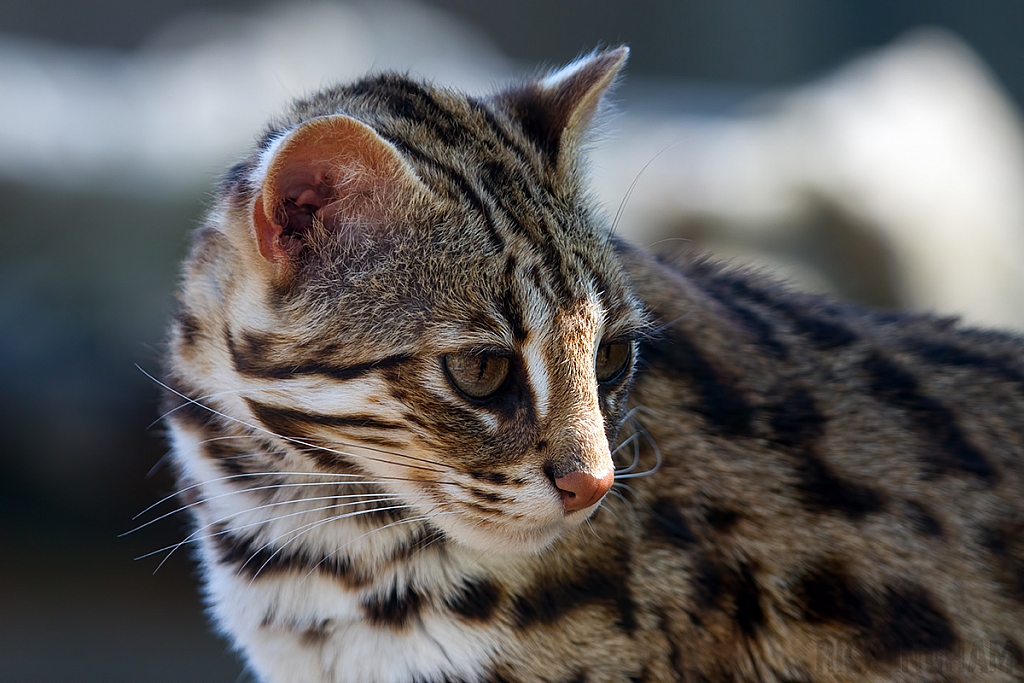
413,286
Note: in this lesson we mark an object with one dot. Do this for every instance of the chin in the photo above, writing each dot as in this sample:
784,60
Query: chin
509,539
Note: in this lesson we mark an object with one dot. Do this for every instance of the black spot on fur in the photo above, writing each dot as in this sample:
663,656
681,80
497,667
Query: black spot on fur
722,519
719,400
1006,543
796,420
553,597
748,614
797,424
899,620
477,600
394,609
909,621
821,489
827,594
823,333
1015,652
923,519
762,331
707,582
668,522
898,388
941,353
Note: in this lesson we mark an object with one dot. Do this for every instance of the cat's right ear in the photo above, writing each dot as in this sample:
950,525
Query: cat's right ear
331,178
557,111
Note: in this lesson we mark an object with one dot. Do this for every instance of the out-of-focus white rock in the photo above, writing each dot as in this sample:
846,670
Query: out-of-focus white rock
917,140
168,118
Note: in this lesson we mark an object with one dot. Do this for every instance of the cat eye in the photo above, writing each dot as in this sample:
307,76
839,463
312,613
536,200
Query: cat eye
476,375
612,359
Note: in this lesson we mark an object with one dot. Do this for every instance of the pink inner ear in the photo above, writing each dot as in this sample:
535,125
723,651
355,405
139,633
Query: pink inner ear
334,169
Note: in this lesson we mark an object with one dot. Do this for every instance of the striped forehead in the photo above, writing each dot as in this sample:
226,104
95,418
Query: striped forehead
556,333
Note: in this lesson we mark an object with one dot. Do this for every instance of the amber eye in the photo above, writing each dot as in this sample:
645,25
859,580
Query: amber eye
612,359
476,375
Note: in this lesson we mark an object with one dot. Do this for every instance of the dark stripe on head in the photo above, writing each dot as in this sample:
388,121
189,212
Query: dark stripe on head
511,309
496,478
247,356
498,130
476,600
462,185
297,423
898,388
719,401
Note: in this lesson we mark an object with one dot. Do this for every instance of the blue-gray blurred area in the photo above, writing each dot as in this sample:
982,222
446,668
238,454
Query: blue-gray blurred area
116,116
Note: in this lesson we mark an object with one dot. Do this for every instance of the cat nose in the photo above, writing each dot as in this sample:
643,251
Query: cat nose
580,490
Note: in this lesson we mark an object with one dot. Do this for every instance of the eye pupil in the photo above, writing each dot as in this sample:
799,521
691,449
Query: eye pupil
476,375
611,361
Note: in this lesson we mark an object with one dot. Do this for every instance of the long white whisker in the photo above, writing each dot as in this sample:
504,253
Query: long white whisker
312,526
632,185
240,476
191,538
411,520
257,488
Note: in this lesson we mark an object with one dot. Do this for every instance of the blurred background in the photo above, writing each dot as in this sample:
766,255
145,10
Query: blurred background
871,149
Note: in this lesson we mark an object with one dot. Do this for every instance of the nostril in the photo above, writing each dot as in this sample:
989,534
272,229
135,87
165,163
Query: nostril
580,490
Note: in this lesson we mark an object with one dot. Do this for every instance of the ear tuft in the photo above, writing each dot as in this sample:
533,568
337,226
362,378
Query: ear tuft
557,110
331,174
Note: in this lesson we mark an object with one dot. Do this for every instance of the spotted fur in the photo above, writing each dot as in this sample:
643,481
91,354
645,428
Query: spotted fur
805,491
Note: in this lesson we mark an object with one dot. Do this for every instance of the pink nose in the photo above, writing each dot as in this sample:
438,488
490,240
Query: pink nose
581,490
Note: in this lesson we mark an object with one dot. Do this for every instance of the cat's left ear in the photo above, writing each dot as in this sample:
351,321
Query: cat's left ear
556,111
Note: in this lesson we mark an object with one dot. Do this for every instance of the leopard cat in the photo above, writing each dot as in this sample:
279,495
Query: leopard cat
436,423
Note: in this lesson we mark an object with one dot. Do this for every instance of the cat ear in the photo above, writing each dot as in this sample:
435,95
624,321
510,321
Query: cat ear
557,110
331,175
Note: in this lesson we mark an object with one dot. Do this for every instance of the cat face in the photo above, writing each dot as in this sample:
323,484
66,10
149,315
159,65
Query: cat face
414,292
